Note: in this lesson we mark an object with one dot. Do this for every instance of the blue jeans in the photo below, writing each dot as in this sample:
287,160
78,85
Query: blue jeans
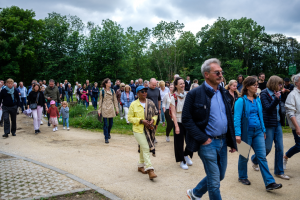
70,96
257,141
106,127
275,134
86,103
23,103
214,158
66,122
95,100
162,113
67,96
295,149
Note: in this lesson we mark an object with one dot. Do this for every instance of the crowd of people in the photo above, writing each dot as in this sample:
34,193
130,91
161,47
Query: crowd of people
205,118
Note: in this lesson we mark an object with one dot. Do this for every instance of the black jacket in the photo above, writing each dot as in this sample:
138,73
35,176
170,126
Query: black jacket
32,98
6,99
232,99
187,85
269,109
195,117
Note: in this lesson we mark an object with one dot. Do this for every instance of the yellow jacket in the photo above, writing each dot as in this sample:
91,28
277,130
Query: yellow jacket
136,114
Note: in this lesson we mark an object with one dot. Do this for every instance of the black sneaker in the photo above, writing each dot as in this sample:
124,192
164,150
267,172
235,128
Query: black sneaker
245,181
106,141
13,134
36,132
273,186
48,124
109,136
5,135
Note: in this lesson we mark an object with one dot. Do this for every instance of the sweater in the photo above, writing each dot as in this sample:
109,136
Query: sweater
64,112
53,93
6,99
53,112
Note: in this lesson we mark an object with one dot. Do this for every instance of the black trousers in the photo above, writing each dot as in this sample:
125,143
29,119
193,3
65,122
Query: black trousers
12,111
170,123
180,152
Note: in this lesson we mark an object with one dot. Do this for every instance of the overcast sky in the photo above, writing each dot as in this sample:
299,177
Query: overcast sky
278,16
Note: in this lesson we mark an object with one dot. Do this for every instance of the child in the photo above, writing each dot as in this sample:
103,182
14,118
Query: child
64,112
53,112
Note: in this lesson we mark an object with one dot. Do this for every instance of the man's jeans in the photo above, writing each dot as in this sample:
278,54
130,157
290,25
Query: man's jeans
256,141
296,148
214,158
70,96
106,127
274,134
23,103
67,96
95,101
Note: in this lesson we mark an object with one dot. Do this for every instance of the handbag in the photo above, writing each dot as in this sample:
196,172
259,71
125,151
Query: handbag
33,106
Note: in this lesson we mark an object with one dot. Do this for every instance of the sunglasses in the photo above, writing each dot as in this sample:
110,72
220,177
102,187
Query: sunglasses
218,73
143,91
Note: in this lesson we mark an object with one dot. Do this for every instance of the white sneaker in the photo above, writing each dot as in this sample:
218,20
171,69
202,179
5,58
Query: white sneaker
45,115
64,128
54,129
190,195
68,129
42,123
168,138
255,167
121,118
183,165
188,161
283,176
284,163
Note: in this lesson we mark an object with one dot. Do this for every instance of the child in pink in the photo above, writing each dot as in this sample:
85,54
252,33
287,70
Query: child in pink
53,112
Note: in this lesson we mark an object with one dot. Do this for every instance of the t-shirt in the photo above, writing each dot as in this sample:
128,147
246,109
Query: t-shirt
262,86
154,95
143,104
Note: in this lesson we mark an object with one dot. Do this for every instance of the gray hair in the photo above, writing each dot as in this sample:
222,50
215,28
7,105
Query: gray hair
69,84
146,82
15,83
76,82
137,80
79,84
206,65
295,78
176,75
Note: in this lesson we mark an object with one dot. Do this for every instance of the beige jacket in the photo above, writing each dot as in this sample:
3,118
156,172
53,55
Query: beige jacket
292,106
108,105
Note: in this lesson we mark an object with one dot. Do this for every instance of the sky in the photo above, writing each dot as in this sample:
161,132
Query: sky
277,16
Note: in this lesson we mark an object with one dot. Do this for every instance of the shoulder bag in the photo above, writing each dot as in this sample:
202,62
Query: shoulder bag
33,106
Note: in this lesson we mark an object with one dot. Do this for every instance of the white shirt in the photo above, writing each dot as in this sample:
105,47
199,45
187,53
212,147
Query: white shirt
166,101
178,108
163,93
143,104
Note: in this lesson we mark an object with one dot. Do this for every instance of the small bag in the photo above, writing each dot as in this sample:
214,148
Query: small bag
33,106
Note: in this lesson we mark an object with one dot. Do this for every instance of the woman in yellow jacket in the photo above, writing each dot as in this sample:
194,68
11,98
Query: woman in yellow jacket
143,115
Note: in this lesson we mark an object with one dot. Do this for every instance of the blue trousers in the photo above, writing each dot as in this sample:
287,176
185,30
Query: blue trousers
95,100
214,158
66,122
23,103
70,97
108,123
295,149
274,134
67,96
162,113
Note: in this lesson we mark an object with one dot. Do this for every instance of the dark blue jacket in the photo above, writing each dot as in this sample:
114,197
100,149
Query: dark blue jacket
195,117
95,92
269,109
133,88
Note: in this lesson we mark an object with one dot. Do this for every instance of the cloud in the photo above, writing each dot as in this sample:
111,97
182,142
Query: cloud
278,16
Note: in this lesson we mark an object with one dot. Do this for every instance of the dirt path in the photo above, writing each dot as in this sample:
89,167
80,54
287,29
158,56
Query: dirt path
113,167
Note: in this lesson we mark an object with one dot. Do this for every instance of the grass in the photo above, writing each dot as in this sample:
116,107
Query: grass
79,119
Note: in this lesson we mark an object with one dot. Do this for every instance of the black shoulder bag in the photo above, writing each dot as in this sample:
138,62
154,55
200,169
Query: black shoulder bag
33,106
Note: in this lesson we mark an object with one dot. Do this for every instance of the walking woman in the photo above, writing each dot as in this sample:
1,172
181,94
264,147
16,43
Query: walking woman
249,127
163,91
176,106
270,99
127,97
108,107
36,96
70,93
143,116
292,105
232,93
95,94
166,106
84,96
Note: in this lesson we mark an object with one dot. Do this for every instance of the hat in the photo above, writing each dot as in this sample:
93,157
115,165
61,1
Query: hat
286,79
140,88
52,102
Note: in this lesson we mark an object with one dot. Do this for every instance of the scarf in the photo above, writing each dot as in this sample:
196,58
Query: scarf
150,111
11,92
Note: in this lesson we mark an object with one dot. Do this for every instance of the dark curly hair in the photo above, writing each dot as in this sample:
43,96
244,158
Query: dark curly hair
103,84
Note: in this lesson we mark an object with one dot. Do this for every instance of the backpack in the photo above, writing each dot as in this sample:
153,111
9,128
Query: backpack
175,97
112,91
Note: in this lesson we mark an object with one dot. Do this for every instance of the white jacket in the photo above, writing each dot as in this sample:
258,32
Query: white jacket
292,106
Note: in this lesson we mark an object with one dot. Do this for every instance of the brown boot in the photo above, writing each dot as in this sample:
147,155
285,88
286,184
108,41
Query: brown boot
142,170
151,173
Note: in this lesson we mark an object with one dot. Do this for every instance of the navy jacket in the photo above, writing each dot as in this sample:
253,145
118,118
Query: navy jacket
269,109
6,99
195,117
133,88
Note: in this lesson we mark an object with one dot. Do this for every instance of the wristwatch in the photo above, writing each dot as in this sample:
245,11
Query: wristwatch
141,121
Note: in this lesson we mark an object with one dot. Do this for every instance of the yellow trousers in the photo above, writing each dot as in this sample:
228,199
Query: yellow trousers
144,151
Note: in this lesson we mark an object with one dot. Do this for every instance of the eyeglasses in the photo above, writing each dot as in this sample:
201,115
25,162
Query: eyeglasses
256,85
217,73
123,86
143,91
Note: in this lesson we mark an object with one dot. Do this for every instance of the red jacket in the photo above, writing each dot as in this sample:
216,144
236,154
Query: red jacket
53,112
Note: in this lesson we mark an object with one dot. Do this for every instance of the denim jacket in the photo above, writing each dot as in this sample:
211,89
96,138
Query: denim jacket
241,120
124,100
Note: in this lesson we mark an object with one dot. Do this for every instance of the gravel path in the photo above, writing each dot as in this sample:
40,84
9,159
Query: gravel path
113,166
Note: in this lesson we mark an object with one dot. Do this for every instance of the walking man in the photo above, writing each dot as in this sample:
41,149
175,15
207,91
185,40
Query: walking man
9,98
154,95
208,121
23,91
52,93
187,83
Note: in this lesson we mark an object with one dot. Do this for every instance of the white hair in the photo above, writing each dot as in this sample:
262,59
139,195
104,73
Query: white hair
295,78
206,65
76,82
176,75
15,83
69,84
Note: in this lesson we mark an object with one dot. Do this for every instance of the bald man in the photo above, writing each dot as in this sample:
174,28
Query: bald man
154,95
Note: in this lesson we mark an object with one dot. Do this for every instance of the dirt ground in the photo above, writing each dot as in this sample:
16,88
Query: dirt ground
86,195
113,166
